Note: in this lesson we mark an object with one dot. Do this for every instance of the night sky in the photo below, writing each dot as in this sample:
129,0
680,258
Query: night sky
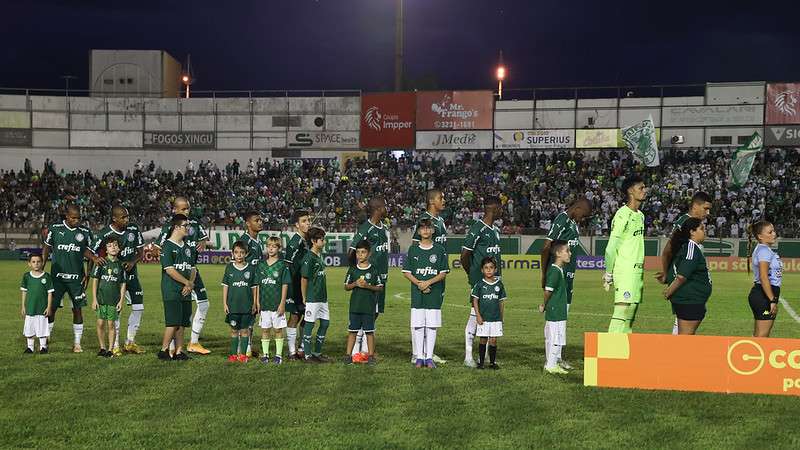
349,44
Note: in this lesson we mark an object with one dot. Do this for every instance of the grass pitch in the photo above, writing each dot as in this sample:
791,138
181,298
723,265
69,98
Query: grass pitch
68,400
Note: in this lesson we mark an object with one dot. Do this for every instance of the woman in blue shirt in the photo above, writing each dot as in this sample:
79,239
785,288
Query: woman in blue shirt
767,276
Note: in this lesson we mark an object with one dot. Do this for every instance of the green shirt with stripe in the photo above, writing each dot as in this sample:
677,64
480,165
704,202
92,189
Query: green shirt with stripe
36,288
679,222
181,257
313,269
110,278
483,241
296,250
690,263
271,280
556,283
130,241
439,235
628,227
67,246
489,296
378,237
425,263
255,249
195,234
363,301
240,282
565,229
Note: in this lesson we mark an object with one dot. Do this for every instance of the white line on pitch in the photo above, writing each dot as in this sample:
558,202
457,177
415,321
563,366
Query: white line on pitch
789,309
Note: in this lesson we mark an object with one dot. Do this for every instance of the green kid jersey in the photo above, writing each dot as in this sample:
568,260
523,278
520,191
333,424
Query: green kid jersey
556,309
679,222
489,296
628,227
255,249
130,241
313,268
690,263
67,246
196,233
271,279
363,301
425,263
483,241
296,250
110,277
37,288
439,235
180,257
378,237
240,282
565,229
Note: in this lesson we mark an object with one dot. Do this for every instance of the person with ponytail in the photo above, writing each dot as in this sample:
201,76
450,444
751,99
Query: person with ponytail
688,278
767,276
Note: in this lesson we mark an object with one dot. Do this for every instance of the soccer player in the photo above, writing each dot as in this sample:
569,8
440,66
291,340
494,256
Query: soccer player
377,235
488,300
689,280
196,239
131,244
255,253
37,301
625,256
699,208
240,300
296,250
426,267
177,264
555,307
364,281
69,244
767,270
108,296
483,240
274,283
315,292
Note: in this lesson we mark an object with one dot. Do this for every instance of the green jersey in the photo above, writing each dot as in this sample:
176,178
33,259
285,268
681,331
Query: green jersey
628,228
489,296
130,241
690,263
556,283
566,229
255,249
195,234
483,241
679,222
313,269
240,282
67,246
425,263
110,278
439,235
378,237
296,250
363,301
181,257
271,280
37,289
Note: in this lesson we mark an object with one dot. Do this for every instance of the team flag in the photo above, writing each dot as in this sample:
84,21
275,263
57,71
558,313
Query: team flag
642,142
742,160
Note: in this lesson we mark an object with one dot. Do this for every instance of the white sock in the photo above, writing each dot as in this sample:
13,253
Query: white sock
469,336
42,342
359,341
30,343
116,336
430,342
560,349
134,320
172,346
552,356
199,321
414,350
675,327
291,340
77,330
50,326
419,341
546,348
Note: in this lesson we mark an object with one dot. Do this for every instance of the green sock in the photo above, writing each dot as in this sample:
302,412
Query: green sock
618,319
323,328
278,347
265,347
234,344
243,341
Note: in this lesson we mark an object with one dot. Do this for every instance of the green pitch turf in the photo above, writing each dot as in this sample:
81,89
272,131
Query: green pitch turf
69,400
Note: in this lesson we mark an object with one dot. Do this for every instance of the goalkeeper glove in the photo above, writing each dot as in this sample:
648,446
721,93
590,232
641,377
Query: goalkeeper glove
608,280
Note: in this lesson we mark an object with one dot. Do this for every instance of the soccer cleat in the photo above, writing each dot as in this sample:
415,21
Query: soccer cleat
430,364
28,350
43,351
181,357
565,365
102,352
109,354
413,359
264,359
419,363
164,355
322,358
243,358
116,352
479,366
555,370
358,358
233,358
199,349
133,348
439,360
347,360
311,359
494,366
277,360
301,355
469,362
253,353
371,361
295,357
77,348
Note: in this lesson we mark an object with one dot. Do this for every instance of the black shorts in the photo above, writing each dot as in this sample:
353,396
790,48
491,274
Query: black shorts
689,311
759,303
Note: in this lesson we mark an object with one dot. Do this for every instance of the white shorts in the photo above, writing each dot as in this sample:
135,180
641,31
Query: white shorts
271,319
490,329
36,326
426,318
555,332
316,311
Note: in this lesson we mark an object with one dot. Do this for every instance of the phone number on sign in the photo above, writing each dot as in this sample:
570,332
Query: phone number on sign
450,125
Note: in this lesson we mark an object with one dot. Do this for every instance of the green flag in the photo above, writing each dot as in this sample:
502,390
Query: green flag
742,160
642,142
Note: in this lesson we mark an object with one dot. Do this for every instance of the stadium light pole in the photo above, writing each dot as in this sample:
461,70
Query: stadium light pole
501,75
186,81
398,46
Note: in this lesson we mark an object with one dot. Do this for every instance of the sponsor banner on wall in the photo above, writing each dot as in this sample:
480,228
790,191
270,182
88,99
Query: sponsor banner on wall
507,262
179,139
16,137
783,103
532,139
586,262
387,120
726,364
678,116
789,135
455,110
323,139
454,140
597,138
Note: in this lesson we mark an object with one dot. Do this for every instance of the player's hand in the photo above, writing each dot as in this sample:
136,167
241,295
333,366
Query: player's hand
427,291
608,280
423,285
666,297
99,261
773,309
254,310
22,311
225,307
281,310
119,306
187,289
47,312
94,305
541,308
361,282
661,277
480,320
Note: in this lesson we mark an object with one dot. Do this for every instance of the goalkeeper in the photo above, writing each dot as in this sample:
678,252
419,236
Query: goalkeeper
625,256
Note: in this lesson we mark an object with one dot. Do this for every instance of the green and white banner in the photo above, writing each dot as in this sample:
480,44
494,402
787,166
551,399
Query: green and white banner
742,160
642,141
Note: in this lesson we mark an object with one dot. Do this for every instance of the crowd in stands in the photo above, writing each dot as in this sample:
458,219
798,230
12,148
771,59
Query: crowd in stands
533,187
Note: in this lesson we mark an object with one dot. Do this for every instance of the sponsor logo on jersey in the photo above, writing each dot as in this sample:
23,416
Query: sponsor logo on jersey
131,237
427,271
125,252
71,247
490,296
383,247
240,283
441,240
493,249
639,232
67,276
183,266
269,281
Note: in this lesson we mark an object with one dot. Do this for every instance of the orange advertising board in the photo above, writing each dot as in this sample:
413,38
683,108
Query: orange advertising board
729,364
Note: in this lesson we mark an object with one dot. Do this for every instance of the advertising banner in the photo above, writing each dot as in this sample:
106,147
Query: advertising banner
724,364
532,139
454,140
597,138
507,262
179,139
699,116
782,107
780,136
16,137
323,139
587,262
455,110
387,120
